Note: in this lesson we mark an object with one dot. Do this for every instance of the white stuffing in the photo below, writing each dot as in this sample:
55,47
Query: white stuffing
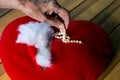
38,35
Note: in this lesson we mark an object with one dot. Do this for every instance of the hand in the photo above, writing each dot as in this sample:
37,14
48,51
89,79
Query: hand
36,10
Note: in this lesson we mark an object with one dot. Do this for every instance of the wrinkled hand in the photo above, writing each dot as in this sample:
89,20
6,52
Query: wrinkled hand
36,10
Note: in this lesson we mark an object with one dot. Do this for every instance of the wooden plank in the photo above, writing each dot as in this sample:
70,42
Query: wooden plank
82,7
69,4
91,11
4,77
106,18
115,61
1,69
115,73
115,39
112,21
106,12
3,22
8,18
4,11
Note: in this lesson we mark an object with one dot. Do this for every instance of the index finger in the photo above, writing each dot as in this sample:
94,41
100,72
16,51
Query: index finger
63,14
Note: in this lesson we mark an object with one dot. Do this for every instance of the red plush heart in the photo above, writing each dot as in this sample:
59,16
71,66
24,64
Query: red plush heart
71,61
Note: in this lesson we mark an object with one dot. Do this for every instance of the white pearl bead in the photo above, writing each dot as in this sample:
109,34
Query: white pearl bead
80,42
65,38
77,41
74,41
71,41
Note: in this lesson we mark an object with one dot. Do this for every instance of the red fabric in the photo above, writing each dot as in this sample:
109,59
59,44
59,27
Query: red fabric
70,61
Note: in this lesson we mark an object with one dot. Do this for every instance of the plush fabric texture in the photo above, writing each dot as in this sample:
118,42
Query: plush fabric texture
70,61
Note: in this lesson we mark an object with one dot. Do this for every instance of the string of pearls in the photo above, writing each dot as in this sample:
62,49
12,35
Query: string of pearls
65,38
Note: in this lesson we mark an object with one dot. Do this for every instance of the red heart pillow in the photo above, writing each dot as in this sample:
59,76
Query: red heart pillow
71,61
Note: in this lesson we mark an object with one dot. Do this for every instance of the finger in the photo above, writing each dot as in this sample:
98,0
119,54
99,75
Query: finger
32,10
57,24
63,14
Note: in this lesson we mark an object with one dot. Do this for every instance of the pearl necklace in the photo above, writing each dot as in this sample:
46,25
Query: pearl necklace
65,38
